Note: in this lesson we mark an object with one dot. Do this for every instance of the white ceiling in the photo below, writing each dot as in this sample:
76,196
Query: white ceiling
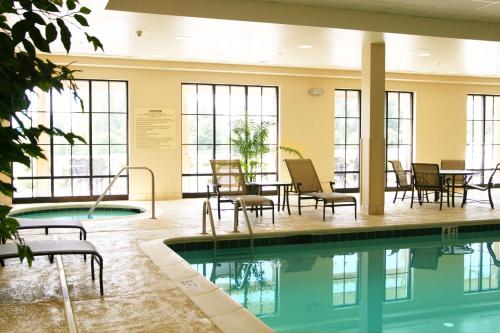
469,10
176,38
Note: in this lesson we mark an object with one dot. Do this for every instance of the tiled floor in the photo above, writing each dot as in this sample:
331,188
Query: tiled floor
139,297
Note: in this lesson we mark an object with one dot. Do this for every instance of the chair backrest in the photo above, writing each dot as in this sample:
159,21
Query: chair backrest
454,165
426,175
425,258
401,178
302,172
227,175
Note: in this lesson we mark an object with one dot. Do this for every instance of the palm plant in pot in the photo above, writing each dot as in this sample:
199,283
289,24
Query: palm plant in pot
249,141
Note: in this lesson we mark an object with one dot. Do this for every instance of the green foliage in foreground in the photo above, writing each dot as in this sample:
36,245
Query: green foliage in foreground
28,27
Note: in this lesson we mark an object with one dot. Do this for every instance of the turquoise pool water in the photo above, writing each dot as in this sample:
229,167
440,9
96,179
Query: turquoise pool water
79,213
417,284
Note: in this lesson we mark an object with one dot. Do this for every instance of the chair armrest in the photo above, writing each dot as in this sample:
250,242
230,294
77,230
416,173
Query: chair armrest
215,188
297,187
332,185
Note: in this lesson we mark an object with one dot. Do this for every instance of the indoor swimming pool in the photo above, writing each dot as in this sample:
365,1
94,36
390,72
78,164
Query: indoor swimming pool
417,284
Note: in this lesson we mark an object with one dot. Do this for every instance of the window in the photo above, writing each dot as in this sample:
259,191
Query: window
480,271
398,131
82,171
345,280
209,112
347,134
397,275
483,136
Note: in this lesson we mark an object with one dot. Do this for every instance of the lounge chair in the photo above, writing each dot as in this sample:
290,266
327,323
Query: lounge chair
307,185
49,224
401,179
228,183
488,188
57,247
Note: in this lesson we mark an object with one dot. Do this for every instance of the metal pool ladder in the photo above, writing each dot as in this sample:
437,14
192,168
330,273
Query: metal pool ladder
207,209
239,202
114,180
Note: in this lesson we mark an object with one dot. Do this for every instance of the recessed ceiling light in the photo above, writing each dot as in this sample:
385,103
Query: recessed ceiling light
305,46
452,72
182,37
448,324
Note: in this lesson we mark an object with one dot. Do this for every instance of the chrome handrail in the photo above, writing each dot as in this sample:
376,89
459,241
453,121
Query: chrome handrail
239,202
207,209
113,181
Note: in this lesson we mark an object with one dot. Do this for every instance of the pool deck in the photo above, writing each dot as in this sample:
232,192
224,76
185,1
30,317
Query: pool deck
148,288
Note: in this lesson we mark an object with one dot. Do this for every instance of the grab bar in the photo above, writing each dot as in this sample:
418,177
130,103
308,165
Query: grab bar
239,202
207,209
114,180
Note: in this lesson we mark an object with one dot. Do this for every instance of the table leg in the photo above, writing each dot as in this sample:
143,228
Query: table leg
453,191
287,197
279,192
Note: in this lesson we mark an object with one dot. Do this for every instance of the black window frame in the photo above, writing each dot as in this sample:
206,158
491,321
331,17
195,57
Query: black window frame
91,176
214,133
483,172
386,121
345,118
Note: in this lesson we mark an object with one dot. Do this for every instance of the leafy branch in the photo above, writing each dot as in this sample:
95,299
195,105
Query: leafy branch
28,27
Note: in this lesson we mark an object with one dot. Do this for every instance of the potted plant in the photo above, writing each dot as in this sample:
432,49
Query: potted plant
28,27
249,140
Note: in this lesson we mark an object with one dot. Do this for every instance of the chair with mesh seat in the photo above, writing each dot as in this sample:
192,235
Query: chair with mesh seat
455,165
488,188
401,179
307,185
228,184
426,177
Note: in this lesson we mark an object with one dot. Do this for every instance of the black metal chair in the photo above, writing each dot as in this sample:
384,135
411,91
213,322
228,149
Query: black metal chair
426,177
401,179
488,187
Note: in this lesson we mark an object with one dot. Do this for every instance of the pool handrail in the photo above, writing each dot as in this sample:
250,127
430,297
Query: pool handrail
207,209
94,206
239,202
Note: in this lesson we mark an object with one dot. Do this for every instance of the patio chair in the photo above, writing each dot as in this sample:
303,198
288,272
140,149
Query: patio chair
488,187
426,177
307,185
454,165
401,179
228,184
57,247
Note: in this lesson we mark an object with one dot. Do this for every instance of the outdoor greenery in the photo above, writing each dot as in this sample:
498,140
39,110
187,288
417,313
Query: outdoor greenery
250,143
28,27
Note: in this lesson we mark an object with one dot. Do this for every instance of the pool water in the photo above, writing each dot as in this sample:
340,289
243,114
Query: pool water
417,284
78,213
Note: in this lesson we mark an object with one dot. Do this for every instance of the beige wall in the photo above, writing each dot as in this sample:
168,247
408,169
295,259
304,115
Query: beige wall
306,122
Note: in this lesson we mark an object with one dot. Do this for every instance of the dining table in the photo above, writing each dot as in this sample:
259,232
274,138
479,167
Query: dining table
453,174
